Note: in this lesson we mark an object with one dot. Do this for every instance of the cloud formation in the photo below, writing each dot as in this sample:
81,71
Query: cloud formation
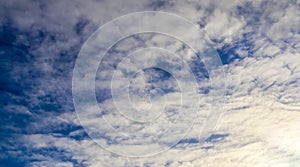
259,46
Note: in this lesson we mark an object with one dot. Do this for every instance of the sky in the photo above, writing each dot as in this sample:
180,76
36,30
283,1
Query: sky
149,83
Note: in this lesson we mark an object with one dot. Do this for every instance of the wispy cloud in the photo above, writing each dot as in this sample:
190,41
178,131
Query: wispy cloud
259,46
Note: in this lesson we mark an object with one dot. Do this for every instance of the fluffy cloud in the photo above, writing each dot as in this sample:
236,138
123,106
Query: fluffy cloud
260,125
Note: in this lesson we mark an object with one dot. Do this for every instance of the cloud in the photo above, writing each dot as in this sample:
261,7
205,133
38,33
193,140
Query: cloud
257,41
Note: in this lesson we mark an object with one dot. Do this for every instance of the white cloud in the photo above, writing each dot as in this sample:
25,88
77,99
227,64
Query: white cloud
262,109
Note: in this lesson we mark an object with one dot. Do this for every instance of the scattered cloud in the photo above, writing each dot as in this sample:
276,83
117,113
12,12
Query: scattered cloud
259,46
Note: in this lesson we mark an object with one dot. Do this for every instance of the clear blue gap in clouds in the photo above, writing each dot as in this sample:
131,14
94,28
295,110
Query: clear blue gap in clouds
253,17
228,52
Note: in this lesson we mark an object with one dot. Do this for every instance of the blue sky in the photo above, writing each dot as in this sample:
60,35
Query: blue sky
258,43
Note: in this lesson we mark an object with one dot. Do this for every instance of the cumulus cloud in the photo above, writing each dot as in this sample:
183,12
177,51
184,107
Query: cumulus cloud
258,43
